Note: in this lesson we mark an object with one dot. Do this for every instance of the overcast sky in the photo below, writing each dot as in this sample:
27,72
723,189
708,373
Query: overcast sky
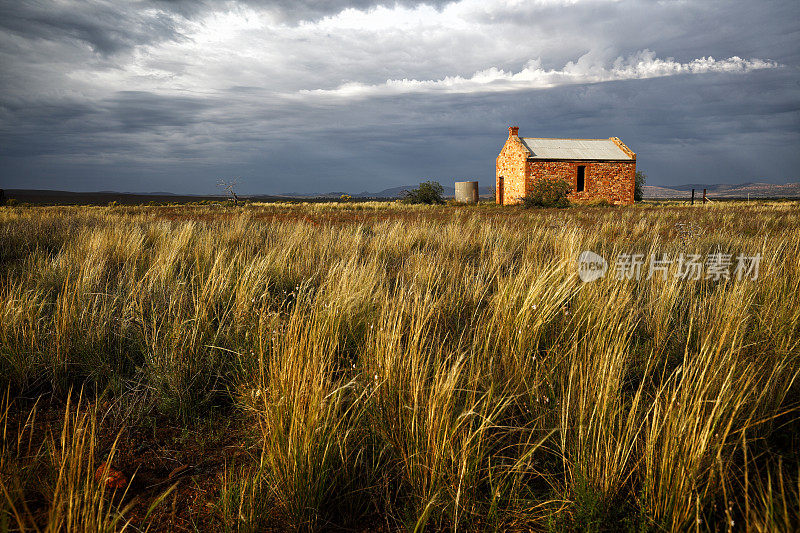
338,95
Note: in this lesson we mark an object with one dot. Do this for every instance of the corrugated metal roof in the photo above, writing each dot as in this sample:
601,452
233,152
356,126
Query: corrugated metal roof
602,149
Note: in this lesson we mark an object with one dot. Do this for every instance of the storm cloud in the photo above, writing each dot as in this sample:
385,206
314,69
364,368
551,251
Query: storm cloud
363,95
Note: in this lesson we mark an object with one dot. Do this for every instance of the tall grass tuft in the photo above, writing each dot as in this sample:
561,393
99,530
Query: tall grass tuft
62,471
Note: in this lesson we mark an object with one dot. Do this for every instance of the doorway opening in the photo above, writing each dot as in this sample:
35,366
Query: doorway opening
499,192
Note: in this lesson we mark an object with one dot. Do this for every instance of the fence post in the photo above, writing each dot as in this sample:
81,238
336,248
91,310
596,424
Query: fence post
704,196
692,197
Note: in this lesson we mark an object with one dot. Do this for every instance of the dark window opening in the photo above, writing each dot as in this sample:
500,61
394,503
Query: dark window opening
581,179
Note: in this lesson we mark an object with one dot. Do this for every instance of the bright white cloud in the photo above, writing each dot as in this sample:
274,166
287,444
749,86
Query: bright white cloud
643,65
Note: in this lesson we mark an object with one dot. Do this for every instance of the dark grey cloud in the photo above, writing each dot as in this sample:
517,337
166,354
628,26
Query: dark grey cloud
172,95
137,111
684,130
105,27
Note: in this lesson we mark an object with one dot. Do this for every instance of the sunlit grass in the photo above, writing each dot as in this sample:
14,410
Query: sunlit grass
412,367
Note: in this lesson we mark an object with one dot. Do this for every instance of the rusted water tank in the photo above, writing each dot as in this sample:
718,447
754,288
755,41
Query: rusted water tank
467,192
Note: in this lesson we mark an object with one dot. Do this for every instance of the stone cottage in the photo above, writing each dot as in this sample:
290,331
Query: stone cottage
594,168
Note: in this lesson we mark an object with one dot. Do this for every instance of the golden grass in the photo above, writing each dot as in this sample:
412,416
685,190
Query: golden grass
415,367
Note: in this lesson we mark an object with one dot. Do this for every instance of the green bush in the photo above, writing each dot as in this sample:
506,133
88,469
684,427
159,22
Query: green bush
428,192
547,192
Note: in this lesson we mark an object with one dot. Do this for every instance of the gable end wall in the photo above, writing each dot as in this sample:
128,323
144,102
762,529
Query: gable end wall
512,167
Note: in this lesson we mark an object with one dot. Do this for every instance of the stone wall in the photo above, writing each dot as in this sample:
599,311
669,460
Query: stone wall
610,180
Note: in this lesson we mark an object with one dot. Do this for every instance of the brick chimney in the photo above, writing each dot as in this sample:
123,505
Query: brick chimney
513,131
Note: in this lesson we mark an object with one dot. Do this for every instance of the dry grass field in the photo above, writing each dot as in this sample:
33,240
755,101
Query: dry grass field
385,367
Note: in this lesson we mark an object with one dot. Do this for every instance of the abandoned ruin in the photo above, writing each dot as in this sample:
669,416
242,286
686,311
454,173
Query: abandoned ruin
596,169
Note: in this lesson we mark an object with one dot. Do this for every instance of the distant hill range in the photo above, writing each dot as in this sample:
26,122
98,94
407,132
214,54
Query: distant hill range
742,190
394,192
755,190
50,197
652,192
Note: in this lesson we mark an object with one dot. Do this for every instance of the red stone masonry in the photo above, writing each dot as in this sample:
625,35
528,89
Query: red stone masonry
609,180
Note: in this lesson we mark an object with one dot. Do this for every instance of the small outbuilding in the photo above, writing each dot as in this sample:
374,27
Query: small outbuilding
596,169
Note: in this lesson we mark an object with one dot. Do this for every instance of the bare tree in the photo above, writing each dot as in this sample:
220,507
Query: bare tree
230,186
